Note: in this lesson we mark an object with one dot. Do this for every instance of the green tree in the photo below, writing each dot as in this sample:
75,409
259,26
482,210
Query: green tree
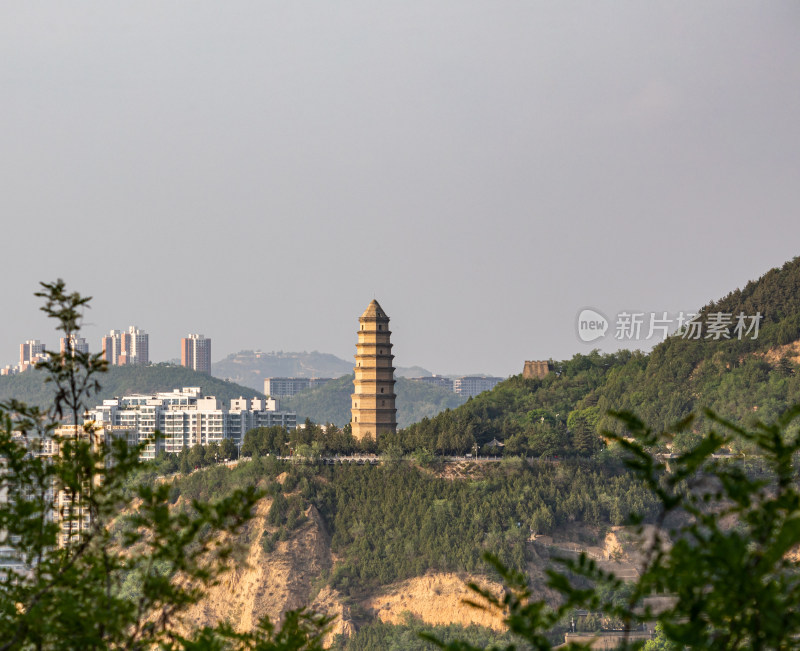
228,449
660,642
424,457
583,423
183,462
213,453
197,456
278,509
542,520
392,453
545,442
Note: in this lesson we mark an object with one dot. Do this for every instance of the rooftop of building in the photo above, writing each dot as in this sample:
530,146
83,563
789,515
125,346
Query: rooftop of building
374,310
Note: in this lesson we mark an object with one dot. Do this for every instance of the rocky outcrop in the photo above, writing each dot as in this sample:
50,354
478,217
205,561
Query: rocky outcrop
329,601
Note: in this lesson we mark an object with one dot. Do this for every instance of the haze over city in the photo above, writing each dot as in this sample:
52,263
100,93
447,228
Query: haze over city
258,172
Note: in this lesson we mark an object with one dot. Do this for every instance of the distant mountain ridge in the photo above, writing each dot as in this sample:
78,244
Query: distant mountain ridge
250,367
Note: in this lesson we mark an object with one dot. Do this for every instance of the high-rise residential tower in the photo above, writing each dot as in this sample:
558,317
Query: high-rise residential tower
31,352
373,403
74,344
196,353
138,346
110,346
121,348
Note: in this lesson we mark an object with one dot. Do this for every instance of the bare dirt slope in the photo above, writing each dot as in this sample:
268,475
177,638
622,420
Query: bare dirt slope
263,583
792,351
436,598
267,583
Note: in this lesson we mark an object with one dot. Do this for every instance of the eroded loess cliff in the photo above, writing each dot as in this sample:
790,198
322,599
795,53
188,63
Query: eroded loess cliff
436,598
267,583
290,576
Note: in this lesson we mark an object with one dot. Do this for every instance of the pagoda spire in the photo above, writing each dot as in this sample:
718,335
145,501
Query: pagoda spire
373,401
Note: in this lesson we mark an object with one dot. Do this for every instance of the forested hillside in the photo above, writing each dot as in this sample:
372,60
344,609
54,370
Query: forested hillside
744,379
330,403
395,521
390,527
122,380
563,413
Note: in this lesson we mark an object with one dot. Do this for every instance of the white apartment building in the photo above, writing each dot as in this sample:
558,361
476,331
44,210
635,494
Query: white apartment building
286,387
470,385
186,418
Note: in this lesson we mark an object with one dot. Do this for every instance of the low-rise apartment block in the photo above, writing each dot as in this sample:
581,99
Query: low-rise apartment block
187,418
286,387
472,385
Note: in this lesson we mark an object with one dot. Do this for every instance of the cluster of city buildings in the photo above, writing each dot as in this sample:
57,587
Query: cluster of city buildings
63,509
11,561
183,416
124,348
118,348
33,351
186,418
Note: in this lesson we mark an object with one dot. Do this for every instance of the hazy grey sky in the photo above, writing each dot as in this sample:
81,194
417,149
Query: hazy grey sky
259,171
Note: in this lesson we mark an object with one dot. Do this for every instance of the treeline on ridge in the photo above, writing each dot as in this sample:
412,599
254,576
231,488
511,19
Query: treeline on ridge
567,412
